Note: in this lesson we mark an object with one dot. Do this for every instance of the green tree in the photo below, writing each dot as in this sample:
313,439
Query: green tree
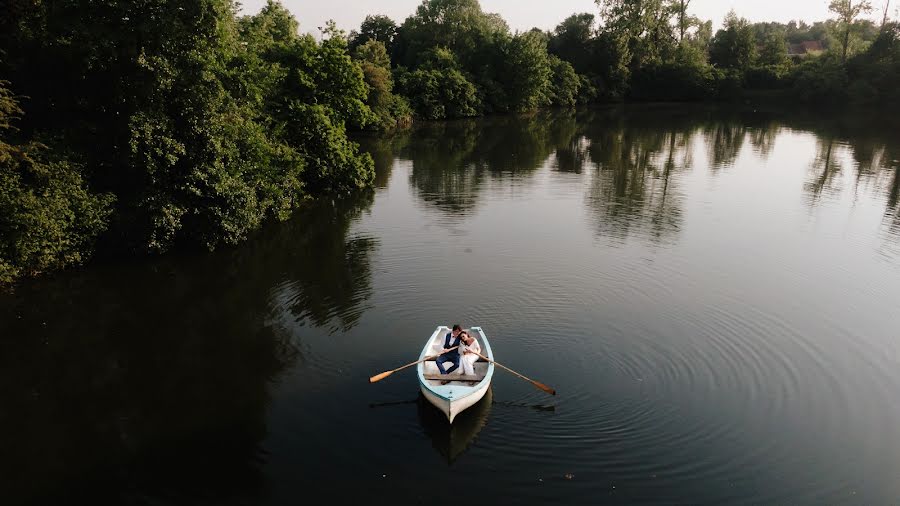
875,74
49,218
375,27
439,89
683,19
734,46
847,12
202,125
392,110
643,26
564,84
458,25
571,40
774,50
526,71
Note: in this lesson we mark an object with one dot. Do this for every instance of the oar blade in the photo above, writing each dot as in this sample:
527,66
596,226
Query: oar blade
544,387
379,377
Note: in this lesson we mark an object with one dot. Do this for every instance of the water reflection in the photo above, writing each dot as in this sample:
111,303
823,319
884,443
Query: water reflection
451,161
870,155
452,440
152,379
636,158
325,274
634,187
763,135
724,141
825,166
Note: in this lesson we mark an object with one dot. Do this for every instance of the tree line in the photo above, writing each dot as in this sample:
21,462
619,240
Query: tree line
141,126
451,59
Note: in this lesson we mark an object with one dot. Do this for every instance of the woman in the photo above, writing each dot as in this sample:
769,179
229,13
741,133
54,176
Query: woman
469,348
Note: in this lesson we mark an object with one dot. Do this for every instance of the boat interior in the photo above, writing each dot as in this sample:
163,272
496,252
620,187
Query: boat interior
434,376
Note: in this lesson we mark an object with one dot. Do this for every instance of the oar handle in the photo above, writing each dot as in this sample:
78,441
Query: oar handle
385,374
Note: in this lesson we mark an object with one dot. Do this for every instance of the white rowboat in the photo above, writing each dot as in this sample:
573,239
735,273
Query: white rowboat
462,391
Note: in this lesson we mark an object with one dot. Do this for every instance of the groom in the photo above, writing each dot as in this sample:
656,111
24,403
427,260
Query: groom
450,340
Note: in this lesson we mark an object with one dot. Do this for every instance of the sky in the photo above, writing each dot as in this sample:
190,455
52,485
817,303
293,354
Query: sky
526,14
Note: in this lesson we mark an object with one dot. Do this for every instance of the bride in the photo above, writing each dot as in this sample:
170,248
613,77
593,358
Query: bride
468,348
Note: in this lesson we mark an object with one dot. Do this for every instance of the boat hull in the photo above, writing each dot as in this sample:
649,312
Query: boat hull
452,407
456,396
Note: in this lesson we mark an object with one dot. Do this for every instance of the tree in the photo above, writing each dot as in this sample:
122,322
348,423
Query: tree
375,27
526,74
643,26
458,25
847,12
774,50
564,84
571,40
392,110
679,7
734,46
439,89
49,218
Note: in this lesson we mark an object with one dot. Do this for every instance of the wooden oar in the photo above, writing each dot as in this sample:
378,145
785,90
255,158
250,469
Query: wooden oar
385,374
535,383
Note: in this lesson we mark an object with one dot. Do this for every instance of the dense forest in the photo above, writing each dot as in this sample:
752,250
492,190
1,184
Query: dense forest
132,126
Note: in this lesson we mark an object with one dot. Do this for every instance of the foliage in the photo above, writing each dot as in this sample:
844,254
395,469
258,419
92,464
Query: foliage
774,50
49,218
458,25
644,28
733,47
820,80
201,124
688,78
875,74
375,27
526,71
571,41
565,84
847,11
438,89
391,110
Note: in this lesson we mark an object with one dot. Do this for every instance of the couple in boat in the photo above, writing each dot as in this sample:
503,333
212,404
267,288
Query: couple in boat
466,354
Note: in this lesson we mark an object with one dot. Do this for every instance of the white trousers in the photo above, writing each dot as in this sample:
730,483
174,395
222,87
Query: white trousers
467,364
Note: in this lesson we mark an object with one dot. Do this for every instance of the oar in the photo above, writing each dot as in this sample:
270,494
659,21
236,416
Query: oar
385,374
535,383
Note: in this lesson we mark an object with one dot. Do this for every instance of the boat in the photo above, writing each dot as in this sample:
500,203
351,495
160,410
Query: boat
459,392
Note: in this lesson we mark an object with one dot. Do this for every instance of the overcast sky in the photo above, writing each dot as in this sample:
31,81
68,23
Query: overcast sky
545,14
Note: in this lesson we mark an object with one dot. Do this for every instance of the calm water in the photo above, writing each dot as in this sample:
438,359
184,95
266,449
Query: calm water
714,295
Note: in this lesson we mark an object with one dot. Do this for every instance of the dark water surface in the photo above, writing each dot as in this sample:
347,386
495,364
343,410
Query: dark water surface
715,295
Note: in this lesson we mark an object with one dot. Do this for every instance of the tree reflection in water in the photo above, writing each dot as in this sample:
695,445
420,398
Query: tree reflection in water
637,163
150,380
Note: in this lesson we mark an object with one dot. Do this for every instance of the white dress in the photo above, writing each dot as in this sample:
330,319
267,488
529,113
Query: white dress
467,361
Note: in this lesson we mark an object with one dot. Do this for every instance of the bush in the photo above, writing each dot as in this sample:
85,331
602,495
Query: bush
672,82
49,219
728,83
438,89
820,80
564,83
767,77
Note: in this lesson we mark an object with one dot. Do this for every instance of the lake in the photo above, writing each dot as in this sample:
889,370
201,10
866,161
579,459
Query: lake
713,293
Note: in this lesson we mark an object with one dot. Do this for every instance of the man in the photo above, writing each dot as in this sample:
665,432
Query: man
450,340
